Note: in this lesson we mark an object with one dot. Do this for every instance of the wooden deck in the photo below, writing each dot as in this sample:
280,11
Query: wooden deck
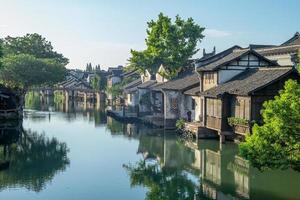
199,131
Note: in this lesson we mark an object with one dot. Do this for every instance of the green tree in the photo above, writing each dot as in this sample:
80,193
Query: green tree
298,60
276,144
96,82
23,71
89,67
32,44
168,43
97,68
1,52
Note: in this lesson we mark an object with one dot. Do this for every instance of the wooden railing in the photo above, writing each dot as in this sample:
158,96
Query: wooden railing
213,122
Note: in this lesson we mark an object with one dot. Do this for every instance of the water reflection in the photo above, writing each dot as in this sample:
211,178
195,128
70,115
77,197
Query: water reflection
31,159
72,109
175,169
167,167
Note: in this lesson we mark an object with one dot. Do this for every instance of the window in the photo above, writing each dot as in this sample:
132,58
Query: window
214,107
209,77
241,108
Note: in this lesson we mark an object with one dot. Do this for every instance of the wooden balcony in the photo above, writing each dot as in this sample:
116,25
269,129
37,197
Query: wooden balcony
213,122
241,129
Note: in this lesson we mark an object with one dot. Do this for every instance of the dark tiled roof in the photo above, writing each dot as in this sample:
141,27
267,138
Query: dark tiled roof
131,90
129,73
147,84
116,72
180,83
206,60
279,50
288,47
133,83
157,86
249,81
295,40
193,91
132,86
231,57
260,46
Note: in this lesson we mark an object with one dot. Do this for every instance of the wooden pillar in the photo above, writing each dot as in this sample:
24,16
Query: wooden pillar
222,140
66,101
84,100
98,96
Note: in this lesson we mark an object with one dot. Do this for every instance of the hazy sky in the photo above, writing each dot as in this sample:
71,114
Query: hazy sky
104,31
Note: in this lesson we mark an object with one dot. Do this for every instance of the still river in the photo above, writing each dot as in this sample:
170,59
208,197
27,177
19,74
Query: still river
75,152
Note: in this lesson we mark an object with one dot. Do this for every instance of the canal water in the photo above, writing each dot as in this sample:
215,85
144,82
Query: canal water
74,151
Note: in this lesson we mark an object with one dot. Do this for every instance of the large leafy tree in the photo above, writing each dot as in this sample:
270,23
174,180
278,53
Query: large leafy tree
169,43
276,144
24,71
32,44
30,61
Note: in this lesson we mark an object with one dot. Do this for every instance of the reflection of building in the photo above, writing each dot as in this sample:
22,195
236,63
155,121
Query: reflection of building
224,175
215,172
212,166
9,133
240,169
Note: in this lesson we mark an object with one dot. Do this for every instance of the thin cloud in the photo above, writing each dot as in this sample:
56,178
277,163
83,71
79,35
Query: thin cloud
216,33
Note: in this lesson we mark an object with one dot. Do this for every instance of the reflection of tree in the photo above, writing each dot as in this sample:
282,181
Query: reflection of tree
35,101
115,127
34,161
32,101
163,183
100,117
166,178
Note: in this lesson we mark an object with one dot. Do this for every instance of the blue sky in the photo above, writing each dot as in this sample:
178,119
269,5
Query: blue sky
104,31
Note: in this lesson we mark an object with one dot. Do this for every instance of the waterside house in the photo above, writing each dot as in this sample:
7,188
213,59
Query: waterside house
235,83
113,78
223,93
11,103
175,103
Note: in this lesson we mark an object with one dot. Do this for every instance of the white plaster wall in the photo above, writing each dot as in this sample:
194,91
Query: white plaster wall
225,75
283,59
128,101
198,108
206,84
159,78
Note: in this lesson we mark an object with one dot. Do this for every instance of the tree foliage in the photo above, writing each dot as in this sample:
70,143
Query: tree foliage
170,44
276,144
96,82
23,71
298,60
116,90
32,44
30,61
1,52
89,67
